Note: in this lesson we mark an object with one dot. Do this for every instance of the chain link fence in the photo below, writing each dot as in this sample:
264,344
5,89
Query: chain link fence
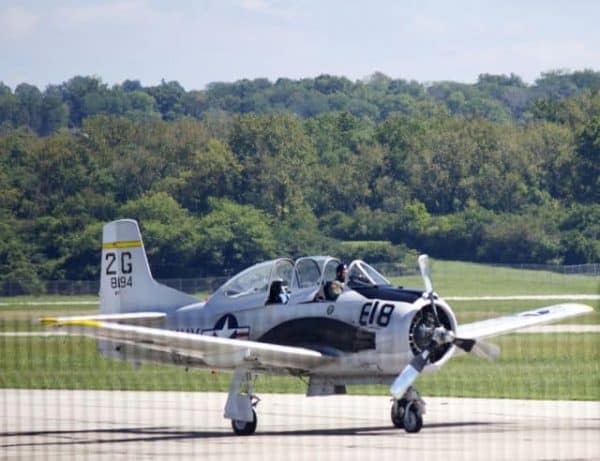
92,287
210,284
579,269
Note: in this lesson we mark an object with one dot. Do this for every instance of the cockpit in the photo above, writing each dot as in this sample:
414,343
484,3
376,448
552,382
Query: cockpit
282,280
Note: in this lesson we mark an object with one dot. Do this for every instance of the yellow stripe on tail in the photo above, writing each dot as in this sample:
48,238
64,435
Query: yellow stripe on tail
121,245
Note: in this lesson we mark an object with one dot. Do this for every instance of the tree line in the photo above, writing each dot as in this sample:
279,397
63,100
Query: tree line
493,97
497,171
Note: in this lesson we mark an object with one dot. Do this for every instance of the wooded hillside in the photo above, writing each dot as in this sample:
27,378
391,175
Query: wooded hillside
497,171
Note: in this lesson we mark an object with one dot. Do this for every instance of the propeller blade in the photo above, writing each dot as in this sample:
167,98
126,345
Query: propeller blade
425,273
465,344
479,348
409,374
486,351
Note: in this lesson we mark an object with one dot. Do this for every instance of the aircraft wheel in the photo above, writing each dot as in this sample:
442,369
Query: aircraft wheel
244,427
397,413
413,421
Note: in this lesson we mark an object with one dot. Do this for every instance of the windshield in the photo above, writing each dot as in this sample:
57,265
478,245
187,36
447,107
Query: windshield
361,274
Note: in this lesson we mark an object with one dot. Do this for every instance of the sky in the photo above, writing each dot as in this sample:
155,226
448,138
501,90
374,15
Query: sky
203,41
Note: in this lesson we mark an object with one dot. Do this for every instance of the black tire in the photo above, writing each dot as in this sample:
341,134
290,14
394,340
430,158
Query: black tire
244,427
397,413
413,421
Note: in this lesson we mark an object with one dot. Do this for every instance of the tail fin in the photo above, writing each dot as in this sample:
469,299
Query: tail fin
126,283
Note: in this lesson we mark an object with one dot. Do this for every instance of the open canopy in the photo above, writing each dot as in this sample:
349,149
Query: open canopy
304,278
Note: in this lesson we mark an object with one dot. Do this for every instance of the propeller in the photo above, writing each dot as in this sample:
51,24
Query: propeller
440,337
479,348
425,273
426,276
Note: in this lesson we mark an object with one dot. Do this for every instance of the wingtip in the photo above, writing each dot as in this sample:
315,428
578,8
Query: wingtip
583,308
56,322
49,321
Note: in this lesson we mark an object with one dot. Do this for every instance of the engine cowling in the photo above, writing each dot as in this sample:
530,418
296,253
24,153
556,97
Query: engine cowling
423,324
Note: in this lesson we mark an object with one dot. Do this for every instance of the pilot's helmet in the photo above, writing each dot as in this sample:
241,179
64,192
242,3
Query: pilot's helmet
340,270
277,284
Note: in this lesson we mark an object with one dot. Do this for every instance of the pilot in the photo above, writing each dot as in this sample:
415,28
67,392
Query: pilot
278,293
334,288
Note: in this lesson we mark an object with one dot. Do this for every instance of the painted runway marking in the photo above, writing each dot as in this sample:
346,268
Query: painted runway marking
561,329
524,298
50,303
18,334
573,297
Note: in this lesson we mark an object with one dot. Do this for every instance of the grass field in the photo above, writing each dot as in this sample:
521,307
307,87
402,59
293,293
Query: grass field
552,366
455,278
532,366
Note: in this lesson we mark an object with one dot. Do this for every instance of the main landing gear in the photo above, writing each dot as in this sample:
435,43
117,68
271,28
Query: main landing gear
244,427
240,404
407,413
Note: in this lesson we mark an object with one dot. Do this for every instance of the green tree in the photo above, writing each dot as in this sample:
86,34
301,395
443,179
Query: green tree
30,101
213,171
74,93
581,234
588,162
277,160
169,99
233,237
171,235
54,115
18,271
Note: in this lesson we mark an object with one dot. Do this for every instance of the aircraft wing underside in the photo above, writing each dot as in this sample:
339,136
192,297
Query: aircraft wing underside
215,352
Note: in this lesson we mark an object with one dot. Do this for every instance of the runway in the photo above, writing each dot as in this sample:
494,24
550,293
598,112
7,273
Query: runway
115,425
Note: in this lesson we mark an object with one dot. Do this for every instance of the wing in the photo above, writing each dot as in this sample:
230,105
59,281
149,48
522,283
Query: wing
501,325
215,352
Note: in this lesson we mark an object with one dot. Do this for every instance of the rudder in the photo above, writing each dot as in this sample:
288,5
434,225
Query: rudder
126,282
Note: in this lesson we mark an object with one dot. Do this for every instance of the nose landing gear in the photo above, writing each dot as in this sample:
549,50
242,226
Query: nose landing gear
407,412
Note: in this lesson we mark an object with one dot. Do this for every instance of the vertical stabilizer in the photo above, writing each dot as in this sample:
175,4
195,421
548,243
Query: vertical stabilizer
126,283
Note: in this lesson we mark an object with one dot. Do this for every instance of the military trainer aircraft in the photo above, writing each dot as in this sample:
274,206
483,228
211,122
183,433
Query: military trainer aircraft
278,317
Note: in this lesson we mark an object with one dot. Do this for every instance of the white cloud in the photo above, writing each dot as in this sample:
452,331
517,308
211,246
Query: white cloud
197,41
426,26
275,8
254,5
111,12
17,22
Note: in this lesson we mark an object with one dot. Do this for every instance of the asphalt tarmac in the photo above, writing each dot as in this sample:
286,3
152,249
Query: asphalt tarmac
38,424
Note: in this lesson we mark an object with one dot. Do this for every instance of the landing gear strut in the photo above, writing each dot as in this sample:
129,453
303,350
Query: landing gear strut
240,404
407,413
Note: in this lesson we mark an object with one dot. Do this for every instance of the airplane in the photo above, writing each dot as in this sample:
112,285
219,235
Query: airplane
278,317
